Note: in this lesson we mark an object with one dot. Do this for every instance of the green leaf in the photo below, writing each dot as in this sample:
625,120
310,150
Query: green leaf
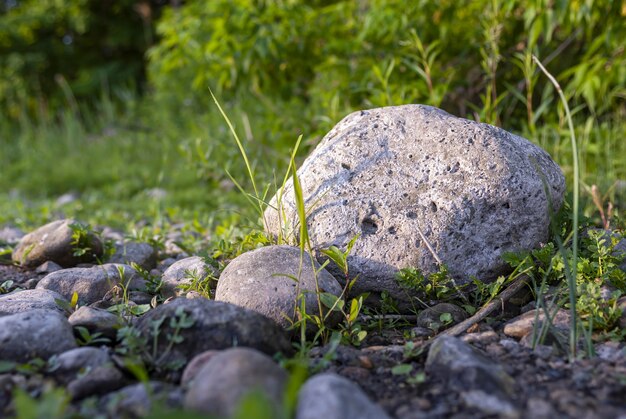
331,301
74,300
402,369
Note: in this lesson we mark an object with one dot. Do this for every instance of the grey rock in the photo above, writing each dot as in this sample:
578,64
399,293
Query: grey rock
100,380
489,404
408,176
21,301
10,235
53,242
191,370
466,368
34,334
431,316
142,254
183,272
137,400
66,366
216,325
331,396
524,324
96,320
91,284
262,280
48,267
230,376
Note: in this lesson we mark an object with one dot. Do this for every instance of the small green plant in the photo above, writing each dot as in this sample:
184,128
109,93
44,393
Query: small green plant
82,239
86,338
68,306
435,287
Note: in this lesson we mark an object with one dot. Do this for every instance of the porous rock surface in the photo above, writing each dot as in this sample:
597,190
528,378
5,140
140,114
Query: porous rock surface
263,280
407,177
53,242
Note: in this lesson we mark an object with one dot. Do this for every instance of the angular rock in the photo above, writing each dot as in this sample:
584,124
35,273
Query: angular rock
53,242
411,177
183,272
224,382
467,369
331,396
68,365
22,301
216,325
142,254
431,317
524,324
34,334
262,280
91,284
96,320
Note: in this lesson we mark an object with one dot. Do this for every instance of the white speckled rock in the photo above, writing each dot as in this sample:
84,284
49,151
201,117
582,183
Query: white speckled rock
261,280
397,175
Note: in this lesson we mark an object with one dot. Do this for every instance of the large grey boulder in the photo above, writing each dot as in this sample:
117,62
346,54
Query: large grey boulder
34,334
210,325
331,396
230,376
411,178
91,284
21,301
264,280
54,242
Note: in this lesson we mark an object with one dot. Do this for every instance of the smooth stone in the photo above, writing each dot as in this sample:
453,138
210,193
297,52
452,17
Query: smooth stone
216,325
48,267
11,235
66,366
198,361
142,254
22,301
53,242
524,324
489,404
34,334
100,380
331,396
263,280
91,284
468,369
183,272
230,376
431,316
408,179
137,400
96,320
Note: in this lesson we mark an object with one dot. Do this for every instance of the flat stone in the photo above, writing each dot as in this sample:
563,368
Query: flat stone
408,179
142,254
183,272
466,368
53,242
216,325
66,366
91,284
331,396
264,280
524,324
96,320
22,301
34,334
230,376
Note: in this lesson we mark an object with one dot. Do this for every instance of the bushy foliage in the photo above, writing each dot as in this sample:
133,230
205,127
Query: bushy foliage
53,52
470,57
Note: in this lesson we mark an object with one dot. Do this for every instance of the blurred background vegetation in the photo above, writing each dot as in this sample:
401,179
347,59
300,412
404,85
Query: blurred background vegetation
108,100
